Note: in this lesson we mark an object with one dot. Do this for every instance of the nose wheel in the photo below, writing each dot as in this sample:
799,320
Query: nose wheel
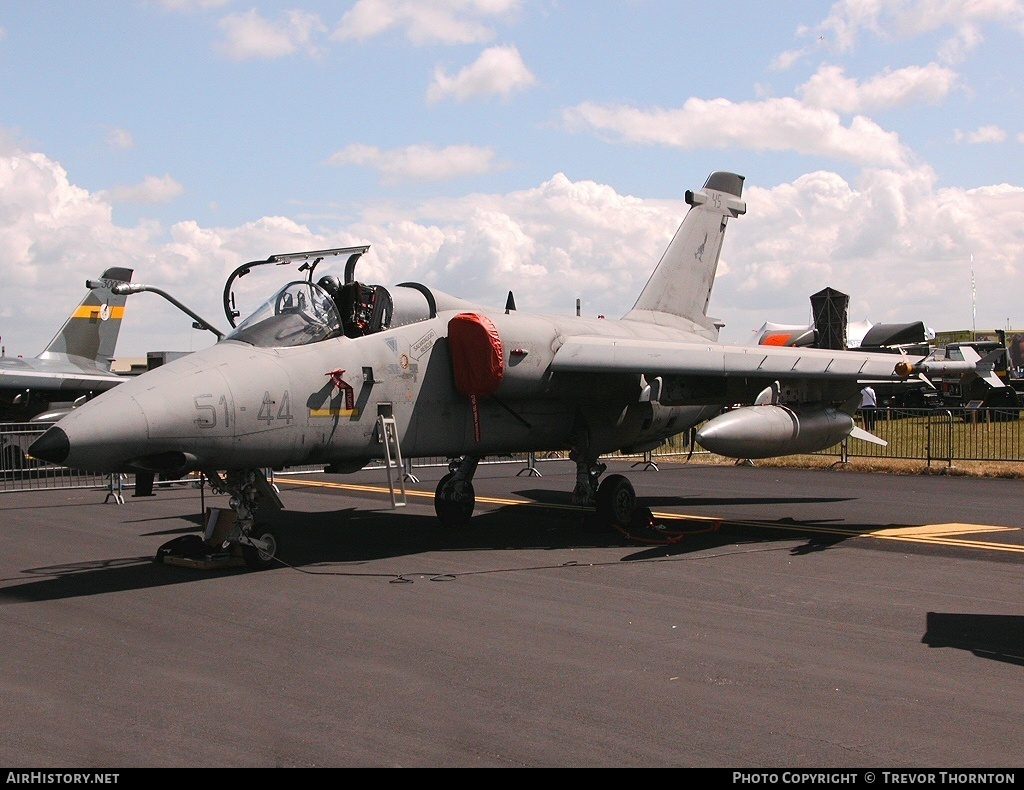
258,549
250,490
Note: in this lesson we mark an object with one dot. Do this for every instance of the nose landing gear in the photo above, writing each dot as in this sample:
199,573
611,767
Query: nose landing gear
240,541
250,490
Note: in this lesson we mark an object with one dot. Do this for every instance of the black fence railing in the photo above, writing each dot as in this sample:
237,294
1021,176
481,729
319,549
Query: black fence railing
946,435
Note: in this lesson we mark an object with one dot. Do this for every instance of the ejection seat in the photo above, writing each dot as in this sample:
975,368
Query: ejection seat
365,309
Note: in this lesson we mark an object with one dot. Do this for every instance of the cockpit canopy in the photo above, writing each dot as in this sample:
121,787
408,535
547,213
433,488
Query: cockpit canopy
303,312
298,314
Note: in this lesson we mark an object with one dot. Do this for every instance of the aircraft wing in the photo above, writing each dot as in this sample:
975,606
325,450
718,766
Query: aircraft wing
41,378
590,354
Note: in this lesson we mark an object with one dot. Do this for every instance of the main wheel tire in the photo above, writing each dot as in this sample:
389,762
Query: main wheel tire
259,559
616,500
454,502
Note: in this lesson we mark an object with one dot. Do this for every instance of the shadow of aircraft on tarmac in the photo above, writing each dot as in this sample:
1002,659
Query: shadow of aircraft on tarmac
335,541
999,637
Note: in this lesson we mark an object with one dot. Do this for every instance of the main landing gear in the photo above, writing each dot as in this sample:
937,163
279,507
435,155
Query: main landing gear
455,498
615,502
613,499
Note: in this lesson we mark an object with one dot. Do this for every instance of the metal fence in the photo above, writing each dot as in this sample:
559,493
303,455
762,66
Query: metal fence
21,472
942,436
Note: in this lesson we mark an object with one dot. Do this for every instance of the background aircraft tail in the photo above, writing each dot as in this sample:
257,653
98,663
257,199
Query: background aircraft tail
680,287
90,333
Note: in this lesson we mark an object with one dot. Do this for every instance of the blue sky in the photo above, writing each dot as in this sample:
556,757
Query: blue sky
487,145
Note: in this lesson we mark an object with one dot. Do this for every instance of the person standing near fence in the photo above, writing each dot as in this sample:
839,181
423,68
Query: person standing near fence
868,403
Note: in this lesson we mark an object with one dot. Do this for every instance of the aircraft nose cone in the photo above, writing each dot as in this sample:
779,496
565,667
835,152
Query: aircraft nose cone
52,446
98,436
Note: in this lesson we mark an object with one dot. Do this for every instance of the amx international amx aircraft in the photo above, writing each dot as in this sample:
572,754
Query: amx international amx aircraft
75,364
337,372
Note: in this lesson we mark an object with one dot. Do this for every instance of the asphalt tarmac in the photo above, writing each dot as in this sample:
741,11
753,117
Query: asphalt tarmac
772,618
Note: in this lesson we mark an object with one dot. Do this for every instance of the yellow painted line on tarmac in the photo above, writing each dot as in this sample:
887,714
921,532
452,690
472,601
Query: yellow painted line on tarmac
935,534
939,540
430,494
489,500
934,530
350,487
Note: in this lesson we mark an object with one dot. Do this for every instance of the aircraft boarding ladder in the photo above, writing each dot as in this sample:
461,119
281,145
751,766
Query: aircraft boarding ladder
388,429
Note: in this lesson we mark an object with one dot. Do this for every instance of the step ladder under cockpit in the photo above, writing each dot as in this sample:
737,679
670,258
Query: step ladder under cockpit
388,431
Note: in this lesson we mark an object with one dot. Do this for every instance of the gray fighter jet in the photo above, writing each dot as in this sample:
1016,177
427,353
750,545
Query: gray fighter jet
338,372
75,364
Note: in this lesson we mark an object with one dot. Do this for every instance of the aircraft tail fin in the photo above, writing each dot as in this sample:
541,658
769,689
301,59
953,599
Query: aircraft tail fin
90,332
680,287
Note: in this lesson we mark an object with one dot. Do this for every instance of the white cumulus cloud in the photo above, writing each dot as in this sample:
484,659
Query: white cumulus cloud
893,239
152,189
120,138
782,124
983,134
191,5
550,245
418,162
831,89
907,18
250,35
425,21
499,71
895,242
785,60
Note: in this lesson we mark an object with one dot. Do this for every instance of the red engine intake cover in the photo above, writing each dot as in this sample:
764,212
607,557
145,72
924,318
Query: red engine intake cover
477,359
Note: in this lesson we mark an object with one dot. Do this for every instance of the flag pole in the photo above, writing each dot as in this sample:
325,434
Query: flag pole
974,304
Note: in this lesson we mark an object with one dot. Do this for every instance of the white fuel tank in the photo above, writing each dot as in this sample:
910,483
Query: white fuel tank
770,431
